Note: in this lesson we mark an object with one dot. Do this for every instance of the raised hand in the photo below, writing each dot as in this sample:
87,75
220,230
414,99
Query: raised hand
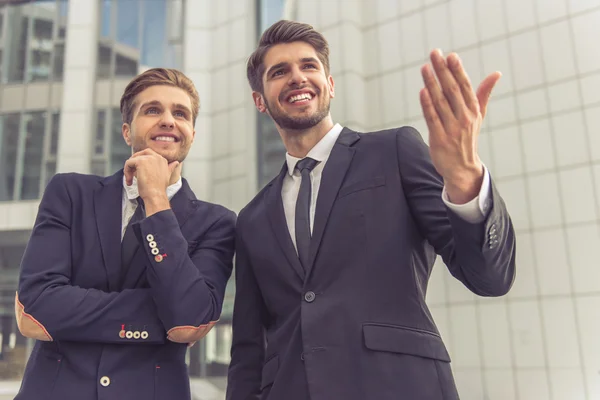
153,173
454,114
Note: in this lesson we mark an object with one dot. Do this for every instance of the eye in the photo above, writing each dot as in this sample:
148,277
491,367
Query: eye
152,110
277,73
313,66
180,114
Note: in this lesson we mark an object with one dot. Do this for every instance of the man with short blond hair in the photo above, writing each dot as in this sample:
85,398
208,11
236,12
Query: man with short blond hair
123,272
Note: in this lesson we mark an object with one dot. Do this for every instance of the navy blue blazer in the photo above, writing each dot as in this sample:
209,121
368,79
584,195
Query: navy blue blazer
107,332
355,324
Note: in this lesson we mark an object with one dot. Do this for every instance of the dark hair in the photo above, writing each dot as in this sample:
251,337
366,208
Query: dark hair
284,32
153,77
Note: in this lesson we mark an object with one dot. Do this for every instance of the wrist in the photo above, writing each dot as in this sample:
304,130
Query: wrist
156,203
465,184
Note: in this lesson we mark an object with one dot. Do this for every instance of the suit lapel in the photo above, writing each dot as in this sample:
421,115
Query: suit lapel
107,207
278,223
333,175
182,204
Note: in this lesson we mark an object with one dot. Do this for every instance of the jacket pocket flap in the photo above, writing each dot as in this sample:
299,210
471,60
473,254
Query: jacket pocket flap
362,185
397,339
269,371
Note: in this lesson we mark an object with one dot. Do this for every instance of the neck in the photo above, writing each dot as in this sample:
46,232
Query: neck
176,174
299,142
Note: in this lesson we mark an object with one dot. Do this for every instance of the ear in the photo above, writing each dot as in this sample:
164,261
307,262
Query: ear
331,86
259,102
126,132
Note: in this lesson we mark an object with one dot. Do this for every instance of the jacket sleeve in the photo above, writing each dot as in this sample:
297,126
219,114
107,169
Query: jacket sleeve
249,324
48,307
480,255
188,284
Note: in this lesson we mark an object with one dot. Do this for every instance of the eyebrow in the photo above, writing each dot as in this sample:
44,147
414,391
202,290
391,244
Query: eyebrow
158,103
283,64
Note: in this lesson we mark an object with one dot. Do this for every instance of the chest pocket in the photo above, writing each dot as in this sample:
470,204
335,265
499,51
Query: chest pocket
364,184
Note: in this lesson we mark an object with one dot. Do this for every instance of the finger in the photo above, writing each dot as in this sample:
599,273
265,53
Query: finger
434,123
438,99
484,91
450,87
463,81
129,170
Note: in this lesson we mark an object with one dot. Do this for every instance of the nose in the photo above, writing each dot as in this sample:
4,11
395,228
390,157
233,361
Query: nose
297,76
167,120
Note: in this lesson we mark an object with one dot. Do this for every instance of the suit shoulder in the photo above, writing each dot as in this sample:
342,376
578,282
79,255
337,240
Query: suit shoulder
74,180
217,210
250,210
403,133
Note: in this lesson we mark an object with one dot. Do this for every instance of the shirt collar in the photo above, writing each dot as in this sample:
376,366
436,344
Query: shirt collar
133,193
320,151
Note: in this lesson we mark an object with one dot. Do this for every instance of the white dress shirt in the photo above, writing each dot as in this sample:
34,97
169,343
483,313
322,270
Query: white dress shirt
129,202
474,211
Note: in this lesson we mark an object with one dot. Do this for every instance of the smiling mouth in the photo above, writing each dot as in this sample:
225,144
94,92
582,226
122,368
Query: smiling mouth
168,139
300,98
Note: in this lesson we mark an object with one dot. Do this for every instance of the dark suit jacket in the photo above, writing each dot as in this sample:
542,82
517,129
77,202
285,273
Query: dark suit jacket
355,325
75,298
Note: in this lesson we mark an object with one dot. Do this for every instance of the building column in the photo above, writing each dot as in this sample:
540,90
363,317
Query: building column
77,111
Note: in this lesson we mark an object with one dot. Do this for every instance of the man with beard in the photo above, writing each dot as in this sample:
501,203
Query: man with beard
333,255
122,273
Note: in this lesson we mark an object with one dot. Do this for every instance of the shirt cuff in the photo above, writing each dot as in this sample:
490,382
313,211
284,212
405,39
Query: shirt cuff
475,210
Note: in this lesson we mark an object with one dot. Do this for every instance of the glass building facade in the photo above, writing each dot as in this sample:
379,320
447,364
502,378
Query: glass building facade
32,48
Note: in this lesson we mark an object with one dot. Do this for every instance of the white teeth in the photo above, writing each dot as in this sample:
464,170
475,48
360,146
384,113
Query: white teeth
303,96
164,139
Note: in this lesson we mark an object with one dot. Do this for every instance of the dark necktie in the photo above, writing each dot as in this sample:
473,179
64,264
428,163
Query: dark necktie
130,244
303,234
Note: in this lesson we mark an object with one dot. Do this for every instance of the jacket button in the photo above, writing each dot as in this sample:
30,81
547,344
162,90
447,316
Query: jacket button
309,296
150,237
105,381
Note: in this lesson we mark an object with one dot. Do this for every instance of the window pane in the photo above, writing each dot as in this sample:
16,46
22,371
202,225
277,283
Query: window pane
59,62
104,55
63,10
1,21
41,50
98,167
54,134
100,124
119,151
128,22
105,21
34,149
50,171
16,58
271,151
125,66
9,141
271,11
153,52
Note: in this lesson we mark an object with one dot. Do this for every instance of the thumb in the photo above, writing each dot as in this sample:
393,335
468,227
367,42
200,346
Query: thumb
485,90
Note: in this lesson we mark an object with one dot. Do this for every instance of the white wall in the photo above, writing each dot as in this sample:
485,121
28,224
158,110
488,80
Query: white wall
542,144
219,37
